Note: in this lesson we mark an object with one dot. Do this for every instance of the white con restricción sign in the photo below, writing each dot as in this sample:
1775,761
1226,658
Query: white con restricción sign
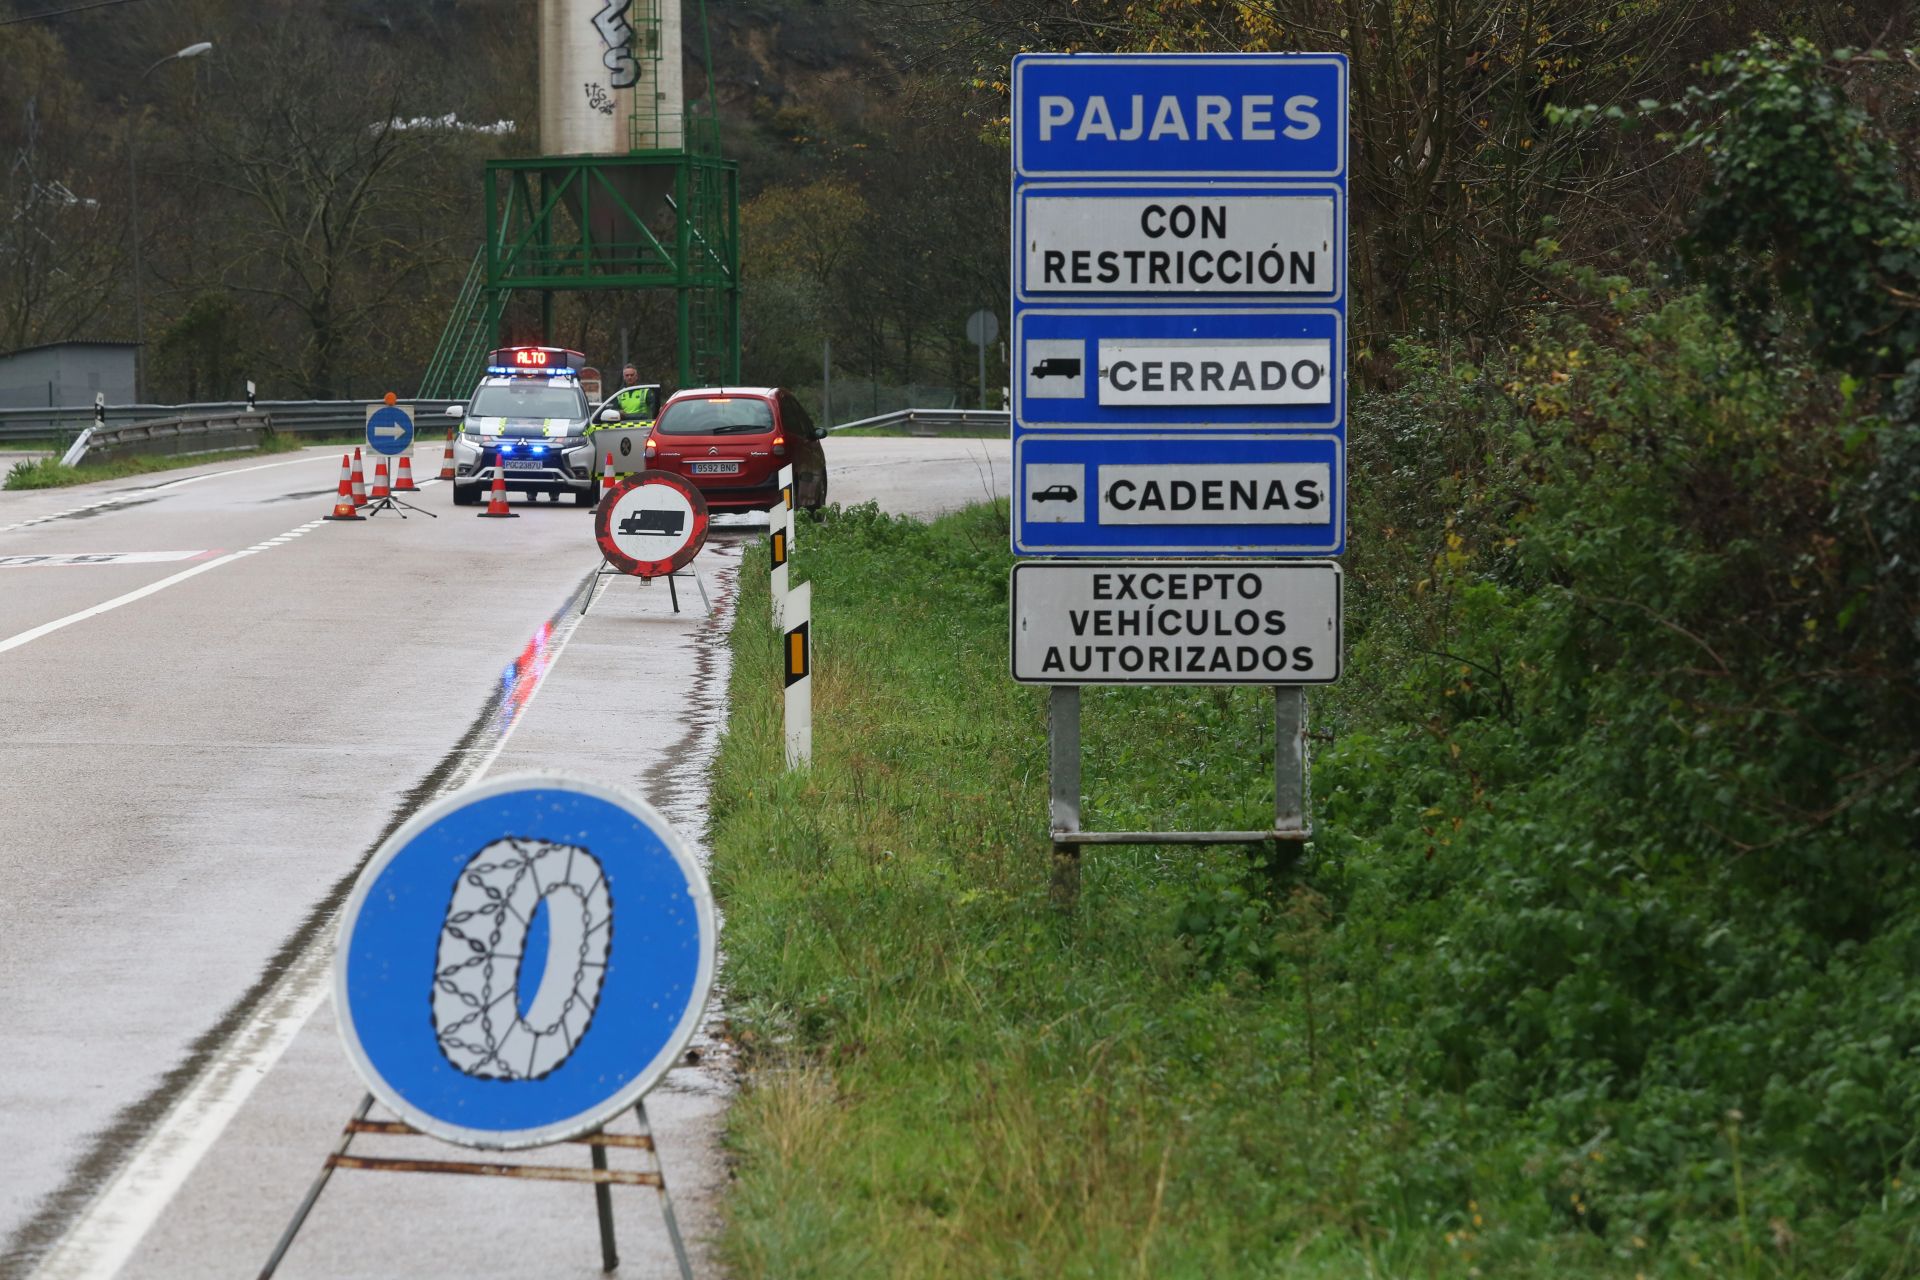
1171,622
1182,243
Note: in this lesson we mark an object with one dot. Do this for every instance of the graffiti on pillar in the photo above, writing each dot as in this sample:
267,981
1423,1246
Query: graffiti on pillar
617,33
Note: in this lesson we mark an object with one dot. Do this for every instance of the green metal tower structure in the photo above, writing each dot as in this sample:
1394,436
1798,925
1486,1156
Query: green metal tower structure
649,219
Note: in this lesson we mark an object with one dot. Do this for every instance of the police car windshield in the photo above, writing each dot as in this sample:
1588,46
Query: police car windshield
716,416
529,399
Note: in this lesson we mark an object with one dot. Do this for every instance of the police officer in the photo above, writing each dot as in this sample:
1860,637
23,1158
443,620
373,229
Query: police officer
635,401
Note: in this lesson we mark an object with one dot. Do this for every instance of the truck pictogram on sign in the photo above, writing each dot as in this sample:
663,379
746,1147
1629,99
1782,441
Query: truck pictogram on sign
668,523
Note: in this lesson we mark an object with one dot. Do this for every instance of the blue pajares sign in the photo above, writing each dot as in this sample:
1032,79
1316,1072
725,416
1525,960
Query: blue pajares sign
1198,115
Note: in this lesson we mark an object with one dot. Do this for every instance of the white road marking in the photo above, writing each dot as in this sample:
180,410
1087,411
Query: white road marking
48,628
140,593
103,1238
62,559
130,494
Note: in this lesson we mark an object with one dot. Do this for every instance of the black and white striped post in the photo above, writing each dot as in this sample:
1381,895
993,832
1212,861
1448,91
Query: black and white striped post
777,546
785,509
780,541
797,659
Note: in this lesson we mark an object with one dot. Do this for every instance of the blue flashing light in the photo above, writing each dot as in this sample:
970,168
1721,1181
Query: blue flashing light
506,448
539,448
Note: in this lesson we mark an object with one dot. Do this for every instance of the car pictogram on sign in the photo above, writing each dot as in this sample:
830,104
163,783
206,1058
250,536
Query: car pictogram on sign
1057,493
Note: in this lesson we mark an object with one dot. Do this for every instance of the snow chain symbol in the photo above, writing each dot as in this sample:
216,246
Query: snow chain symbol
478,978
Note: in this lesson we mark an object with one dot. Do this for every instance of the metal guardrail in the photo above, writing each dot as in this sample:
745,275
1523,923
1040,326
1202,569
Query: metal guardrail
930,422
62,423
186,434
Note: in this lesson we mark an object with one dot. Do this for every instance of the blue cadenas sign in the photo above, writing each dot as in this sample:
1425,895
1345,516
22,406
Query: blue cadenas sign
524,959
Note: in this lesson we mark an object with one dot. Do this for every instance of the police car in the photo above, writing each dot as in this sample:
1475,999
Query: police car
527,421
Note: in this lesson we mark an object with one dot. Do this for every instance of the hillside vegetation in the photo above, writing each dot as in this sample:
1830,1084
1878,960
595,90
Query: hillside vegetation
1602,960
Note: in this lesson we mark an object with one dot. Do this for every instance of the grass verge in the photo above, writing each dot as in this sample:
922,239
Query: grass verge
1208,1070
48,473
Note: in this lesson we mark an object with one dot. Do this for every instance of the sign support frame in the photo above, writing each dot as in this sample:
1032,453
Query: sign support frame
607,570
602,1178
1291,829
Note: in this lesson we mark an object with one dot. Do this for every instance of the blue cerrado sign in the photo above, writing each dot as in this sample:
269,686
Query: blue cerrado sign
522,960
1203,115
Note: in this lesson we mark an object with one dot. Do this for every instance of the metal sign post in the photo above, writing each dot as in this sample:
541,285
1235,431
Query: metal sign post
561,940
1178,278
982,328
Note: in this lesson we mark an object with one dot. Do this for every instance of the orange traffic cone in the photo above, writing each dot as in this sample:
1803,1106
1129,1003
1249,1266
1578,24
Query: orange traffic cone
343,508
606,477
380,487
497,498
359,480
404,482
446,459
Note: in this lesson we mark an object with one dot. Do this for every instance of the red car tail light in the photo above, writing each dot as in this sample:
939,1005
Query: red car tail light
779,446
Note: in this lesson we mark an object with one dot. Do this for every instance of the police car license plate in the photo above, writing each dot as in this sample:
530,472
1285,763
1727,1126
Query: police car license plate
522,464
715,468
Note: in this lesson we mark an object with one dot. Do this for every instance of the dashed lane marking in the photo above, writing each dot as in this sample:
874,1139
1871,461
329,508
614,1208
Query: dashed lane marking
147,491
141,593
106,606
62,560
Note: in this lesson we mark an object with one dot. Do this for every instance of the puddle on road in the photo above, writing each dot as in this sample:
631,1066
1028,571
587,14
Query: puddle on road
87,513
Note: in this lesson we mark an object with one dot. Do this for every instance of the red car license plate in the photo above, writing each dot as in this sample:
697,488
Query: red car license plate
716,468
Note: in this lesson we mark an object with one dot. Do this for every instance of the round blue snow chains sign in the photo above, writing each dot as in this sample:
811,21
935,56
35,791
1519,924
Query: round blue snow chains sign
522,960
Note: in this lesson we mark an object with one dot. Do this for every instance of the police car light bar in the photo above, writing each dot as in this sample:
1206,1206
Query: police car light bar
549,360
551,375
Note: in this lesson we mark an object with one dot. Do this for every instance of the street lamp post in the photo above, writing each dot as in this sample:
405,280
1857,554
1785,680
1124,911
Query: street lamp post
133,214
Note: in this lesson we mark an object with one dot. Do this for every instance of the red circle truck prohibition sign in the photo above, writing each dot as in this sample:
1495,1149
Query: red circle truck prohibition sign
651,524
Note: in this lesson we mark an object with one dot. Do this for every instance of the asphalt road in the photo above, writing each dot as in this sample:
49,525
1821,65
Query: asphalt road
212,708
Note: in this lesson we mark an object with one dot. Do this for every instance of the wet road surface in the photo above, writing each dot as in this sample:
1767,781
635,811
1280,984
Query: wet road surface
212,708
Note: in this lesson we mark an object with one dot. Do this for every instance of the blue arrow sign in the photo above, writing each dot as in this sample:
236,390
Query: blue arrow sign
390,429
522,960
1192,493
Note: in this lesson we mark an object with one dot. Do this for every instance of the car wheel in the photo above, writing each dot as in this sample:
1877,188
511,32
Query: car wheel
819,493
466,495
586,498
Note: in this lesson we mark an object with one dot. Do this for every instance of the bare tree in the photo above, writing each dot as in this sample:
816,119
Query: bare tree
325,144
61,236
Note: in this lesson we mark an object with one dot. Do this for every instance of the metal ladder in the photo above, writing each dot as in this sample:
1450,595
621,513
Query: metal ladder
471,325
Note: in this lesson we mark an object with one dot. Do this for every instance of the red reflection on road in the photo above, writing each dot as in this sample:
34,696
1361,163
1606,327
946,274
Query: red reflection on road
522,676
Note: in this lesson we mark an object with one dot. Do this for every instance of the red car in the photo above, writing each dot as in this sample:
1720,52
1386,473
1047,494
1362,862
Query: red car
732,441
